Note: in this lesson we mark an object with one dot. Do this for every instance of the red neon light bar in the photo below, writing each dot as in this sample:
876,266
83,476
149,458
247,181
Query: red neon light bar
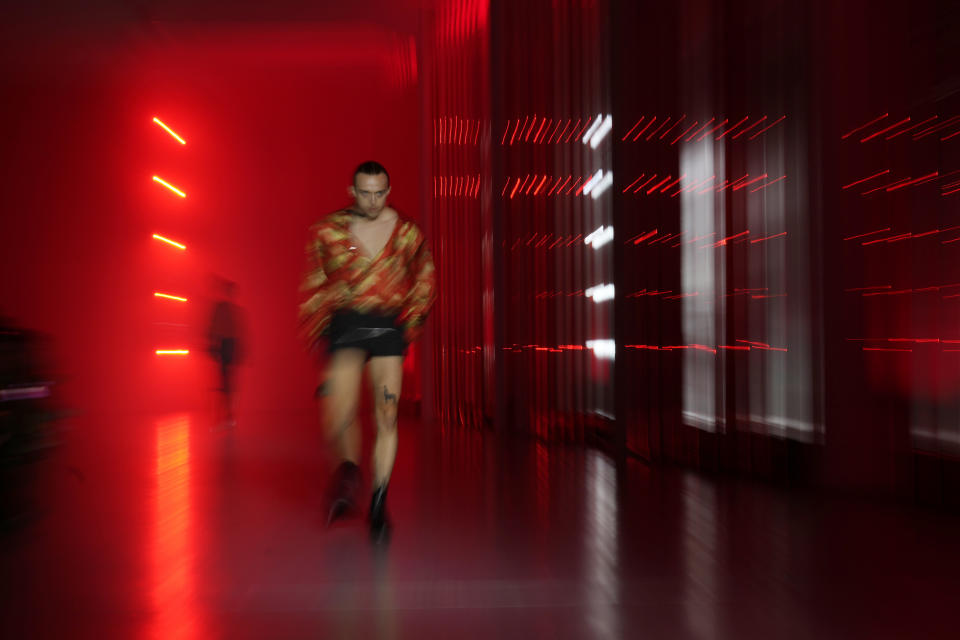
169,297
170,242
169,186
170,131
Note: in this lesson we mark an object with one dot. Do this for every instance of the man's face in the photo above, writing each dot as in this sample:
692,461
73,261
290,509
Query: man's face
370,192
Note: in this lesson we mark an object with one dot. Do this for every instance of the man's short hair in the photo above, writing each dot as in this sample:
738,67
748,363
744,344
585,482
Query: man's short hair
371,168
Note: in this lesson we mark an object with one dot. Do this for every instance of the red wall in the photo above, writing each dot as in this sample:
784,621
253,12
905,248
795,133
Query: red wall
275,121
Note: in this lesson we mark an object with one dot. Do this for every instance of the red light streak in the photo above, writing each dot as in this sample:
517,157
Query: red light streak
549,193
569,178
633,183
895,182
725,121
885,129
575,186
705,125
533,123
645,183
476,136
946,193
555,129
694,186
540,130
169,297
644,129
571,132
169,186
721,136
658,185
767,185
172,352
675,140
886,349
515,187
664,238
645,236
869,242
653,133
170,242
936,127
733,348
623,139
864,126
673,184
902,236
170,131
516,128
876,175
527,192
949,241
746,184
540,186
950,136
723,243
749,128
882,286
869,233
574,239
778,235
919,180
672,127
710,188
734,183
585,127
505,132
911,128
774,123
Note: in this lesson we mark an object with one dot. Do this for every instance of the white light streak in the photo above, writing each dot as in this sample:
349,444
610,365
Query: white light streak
603,349
593,181
603,185
593,128
602,132
601,292
599,237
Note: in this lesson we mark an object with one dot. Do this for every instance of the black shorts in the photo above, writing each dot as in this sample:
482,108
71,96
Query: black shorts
376,334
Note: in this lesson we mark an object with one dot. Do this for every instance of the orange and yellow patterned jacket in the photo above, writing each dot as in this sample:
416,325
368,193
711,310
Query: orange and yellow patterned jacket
400,279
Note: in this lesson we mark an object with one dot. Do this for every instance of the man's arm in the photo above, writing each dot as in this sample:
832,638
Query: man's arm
321,296
423,291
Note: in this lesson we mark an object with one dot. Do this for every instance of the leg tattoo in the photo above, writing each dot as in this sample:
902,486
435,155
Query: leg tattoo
389,398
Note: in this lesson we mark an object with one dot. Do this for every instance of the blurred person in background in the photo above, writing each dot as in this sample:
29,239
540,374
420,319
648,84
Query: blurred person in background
225,346
370,284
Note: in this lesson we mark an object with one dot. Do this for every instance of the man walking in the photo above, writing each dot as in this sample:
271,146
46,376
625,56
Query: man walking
370,286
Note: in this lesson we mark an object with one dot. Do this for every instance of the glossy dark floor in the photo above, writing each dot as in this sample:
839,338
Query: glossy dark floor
167,529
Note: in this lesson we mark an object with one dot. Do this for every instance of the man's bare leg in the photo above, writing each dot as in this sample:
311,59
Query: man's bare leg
341,391
386,376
